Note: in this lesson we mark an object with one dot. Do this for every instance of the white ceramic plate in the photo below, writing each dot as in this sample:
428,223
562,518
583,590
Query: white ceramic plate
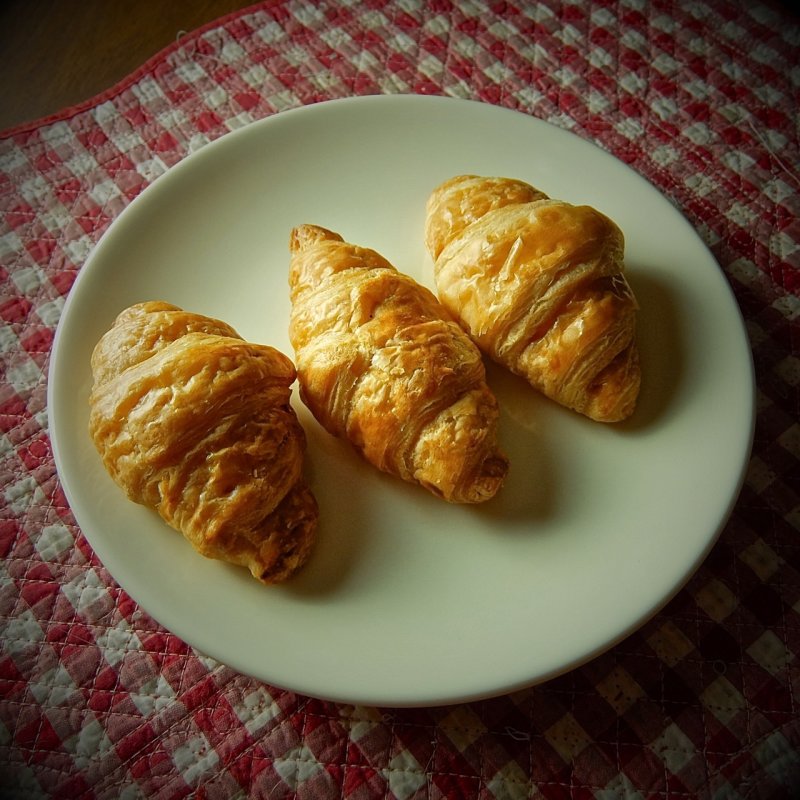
408,600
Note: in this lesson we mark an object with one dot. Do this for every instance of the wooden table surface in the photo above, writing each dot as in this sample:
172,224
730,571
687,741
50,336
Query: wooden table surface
57,53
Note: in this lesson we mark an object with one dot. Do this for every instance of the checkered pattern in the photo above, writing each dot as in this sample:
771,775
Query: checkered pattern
98,701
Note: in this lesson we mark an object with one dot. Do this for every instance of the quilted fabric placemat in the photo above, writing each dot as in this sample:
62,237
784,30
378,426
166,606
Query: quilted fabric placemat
97,700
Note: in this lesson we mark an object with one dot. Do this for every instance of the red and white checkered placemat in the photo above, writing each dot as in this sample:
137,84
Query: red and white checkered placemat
98,701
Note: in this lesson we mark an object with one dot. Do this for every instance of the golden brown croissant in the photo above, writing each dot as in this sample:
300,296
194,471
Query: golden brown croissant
381,363
194,422
539,286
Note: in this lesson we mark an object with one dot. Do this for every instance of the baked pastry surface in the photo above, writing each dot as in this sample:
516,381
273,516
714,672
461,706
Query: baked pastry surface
539,285
381,364
194,422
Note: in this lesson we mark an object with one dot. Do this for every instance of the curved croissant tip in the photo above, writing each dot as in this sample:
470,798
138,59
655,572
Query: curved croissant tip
493,476
289,543
304,236
616,399
488,482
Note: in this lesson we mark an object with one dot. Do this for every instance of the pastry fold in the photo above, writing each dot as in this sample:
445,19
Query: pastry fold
539,286
196,423
381,364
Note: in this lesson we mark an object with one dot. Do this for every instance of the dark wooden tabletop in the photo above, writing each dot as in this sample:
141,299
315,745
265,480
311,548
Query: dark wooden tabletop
57,53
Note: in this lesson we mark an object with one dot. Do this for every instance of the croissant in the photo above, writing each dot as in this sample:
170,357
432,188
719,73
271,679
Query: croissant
381,364
538,284
195,422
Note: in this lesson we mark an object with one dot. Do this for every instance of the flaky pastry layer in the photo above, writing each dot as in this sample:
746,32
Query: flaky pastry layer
539,285
381,364
195,422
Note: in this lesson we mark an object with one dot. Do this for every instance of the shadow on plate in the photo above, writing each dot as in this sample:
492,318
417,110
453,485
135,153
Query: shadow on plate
531,432
662,349
532,426
344,511
531,491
